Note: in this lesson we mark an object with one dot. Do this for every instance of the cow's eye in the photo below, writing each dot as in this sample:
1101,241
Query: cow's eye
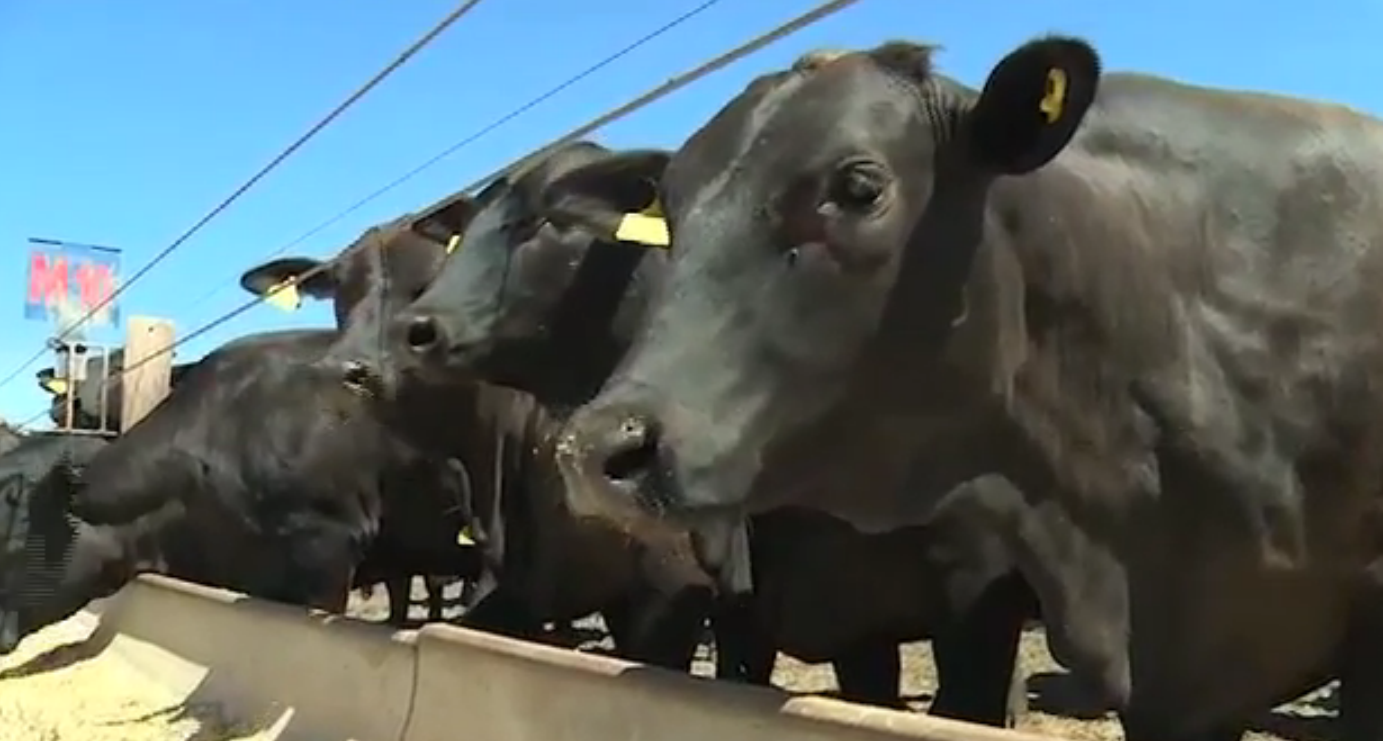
524,229
858,186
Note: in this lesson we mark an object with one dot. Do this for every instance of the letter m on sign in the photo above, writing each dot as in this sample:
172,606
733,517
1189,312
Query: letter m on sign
66,277
47,283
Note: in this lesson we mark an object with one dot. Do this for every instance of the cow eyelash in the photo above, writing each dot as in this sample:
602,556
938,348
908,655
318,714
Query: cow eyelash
857,186
525,229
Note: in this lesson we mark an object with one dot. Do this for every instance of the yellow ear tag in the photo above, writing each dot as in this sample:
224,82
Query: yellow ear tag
55,386
1055,97
464,537
654,209
649,230
283,296
453,242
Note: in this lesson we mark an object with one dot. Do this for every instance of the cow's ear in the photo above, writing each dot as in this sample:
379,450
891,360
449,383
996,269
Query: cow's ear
446,221
1032,103
616,198
269,276
49,382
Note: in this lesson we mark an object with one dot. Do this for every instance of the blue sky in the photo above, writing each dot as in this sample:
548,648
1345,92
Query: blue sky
123,121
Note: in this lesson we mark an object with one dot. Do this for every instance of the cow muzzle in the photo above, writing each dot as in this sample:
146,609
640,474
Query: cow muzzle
433,348
422,333
362,378
612,467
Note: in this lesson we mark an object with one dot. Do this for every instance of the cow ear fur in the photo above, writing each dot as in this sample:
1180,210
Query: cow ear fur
1032,103
258,280
615,198
446,219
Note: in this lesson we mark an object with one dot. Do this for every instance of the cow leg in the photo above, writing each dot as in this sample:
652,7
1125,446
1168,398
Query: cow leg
468,590
336,603
436,597
1361,676
744,651
400,591
660,630
976,656
565,632
499,612
1153,731
619,623
869,673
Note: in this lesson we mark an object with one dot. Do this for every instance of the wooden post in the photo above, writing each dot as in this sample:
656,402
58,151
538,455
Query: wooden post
145,386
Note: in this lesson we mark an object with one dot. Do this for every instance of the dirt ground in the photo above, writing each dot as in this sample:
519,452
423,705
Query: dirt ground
1057,705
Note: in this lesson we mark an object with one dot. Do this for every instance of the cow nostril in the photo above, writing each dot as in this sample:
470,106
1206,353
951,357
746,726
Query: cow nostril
634,452
422,333
356,373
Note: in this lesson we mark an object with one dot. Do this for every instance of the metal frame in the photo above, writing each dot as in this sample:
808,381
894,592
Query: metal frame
62,349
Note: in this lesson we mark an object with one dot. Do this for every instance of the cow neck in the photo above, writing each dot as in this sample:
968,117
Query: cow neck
584,322
1070,397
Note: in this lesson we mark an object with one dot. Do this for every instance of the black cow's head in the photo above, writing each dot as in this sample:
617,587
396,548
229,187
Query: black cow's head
372,279
825,225
51,563
551,279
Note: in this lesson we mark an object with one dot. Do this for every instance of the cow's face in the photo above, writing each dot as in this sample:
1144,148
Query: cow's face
544,276
379,274
791,212
53,564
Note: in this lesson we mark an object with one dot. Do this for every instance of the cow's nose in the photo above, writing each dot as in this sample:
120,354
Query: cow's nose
628,452
357,373
422,333
616,464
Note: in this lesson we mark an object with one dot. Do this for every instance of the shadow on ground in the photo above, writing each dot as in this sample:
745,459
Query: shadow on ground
60,657
213,723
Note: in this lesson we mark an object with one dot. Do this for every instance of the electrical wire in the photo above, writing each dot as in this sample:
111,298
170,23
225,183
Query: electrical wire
673,84
472,138
364,89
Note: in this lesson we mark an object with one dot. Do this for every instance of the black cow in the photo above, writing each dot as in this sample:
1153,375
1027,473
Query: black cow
382,565
33,485
647,589
86,399
1154,308
256,473
544,296
543,566
413,249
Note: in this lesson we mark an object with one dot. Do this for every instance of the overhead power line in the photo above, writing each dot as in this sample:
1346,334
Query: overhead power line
758,42
672,85
369,85
473,137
